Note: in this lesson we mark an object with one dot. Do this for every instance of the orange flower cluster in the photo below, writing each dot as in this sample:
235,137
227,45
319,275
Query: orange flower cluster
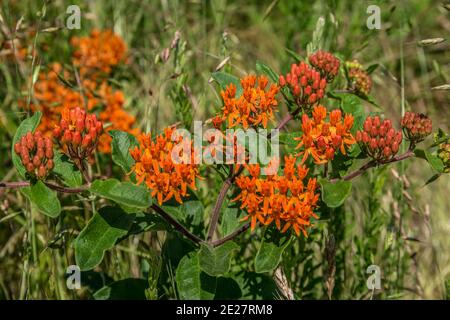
36,154
53,97
98,53
321,138
283,199
154,164
255,106
305,84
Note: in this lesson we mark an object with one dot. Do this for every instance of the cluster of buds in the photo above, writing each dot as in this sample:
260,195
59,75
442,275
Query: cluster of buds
78,133
444,154
359,79
305,84
36,154
416,126
326,63
379,140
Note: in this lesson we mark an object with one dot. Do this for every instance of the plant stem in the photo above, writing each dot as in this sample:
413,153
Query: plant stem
373,163
178,226
229,181
24,184
231,236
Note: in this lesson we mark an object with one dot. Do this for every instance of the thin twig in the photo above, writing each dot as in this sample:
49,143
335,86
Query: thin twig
373,163
229,181
24,184
179,227
231,236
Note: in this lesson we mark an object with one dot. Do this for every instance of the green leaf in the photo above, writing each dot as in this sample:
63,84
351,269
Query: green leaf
121,144
255,286
229,289
317,37
434,161
45,200
29,124
294,55
224,79
268,71
192,283
372,68
189,213
216,261
334,194
66,170
269,255
231,220
144,222
125,289
288,140
99,235
352,104
124,193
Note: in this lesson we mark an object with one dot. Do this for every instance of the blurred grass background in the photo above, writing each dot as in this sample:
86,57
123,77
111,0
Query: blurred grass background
240,33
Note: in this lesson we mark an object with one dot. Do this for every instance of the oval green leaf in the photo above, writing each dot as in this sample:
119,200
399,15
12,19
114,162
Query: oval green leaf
123,193
334,194
192,283
99,235
269,255
44,199
224,79
216,261
120,145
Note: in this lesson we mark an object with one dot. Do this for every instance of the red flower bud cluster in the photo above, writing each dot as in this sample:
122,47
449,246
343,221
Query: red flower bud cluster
36,154
305,84
416,126
360,80
326,63
379,140
444,154
78,133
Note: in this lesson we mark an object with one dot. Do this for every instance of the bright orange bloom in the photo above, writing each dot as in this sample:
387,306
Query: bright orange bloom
154,165
93,55
255,106
282,199
321,139
98,53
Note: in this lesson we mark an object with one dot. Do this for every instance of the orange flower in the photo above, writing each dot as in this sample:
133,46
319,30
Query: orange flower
98,53
154,165
255,106
282,199
321,139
